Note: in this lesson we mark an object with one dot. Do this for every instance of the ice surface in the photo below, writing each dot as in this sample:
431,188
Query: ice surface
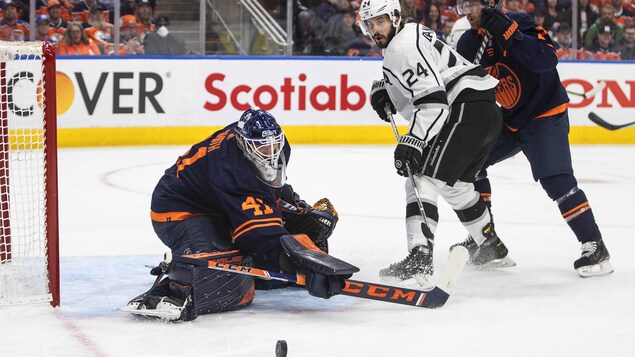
539,308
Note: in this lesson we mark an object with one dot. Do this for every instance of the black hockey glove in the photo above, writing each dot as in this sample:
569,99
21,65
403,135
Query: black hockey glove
410,150
501,27
379,99
325,275
316,283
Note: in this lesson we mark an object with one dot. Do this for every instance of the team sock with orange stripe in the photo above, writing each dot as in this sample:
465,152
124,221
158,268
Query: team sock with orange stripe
573,205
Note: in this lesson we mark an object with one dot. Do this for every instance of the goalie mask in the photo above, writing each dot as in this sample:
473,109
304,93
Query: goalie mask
374,8
261,140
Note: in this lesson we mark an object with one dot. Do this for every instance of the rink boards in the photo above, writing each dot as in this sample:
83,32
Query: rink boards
160,100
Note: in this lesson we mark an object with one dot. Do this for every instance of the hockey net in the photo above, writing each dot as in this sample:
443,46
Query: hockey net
29,260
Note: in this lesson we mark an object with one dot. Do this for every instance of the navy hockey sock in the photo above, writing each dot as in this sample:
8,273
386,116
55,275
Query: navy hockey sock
485,189
573,205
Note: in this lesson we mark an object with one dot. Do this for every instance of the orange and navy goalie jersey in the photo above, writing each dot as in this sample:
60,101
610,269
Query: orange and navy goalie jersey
529,86
214,178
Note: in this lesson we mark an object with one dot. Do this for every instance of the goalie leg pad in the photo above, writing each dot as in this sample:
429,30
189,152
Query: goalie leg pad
214,291
306,255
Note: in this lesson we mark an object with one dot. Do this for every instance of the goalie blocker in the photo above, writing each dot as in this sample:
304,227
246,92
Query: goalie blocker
192,290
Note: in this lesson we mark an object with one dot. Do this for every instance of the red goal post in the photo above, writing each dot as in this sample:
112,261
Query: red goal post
29,244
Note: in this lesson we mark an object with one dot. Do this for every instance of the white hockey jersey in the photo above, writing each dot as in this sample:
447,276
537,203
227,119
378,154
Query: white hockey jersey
424,76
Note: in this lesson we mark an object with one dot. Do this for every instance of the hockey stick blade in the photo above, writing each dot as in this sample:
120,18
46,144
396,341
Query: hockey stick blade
601,122
434,298
591,92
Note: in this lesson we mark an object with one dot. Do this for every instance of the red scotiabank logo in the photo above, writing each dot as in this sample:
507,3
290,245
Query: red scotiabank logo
619,97
291,93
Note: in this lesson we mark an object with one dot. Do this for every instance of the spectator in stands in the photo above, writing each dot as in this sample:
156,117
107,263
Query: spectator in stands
11,27
514,6
432,18
127,7
587,15
553,15
99,30
563,42
308,34
330,8
563,38
411,9
129,36
341,31
81,10
162,42
76,42
539,17
628,42
42,27
605,48
447,29
42,8
145,21
54,9
623,16
22,9
363,46
607,15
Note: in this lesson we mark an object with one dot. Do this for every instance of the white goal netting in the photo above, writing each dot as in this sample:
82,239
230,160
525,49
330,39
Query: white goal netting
24,263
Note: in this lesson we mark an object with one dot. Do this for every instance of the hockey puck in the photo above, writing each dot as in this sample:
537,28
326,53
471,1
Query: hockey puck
281,348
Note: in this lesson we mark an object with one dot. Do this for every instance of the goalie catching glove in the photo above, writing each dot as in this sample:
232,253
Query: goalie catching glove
317,221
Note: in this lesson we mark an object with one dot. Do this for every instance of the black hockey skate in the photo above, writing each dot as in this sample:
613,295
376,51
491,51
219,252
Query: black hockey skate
417,265
594,260
491,254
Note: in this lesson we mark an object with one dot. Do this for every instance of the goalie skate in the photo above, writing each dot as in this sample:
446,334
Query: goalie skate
594,260
164,308
415,268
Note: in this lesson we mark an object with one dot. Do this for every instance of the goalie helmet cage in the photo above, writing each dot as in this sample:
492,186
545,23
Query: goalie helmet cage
29,255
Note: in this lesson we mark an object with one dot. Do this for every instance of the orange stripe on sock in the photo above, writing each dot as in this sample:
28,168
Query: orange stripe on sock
576,211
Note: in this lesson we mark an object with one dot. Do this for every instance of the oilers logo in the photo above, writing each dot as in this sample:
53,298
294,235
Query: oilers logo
508,90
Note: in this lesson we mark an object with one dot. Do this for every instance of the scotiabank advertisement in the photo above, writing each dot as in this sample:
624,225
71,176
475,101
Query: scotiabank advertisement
326,92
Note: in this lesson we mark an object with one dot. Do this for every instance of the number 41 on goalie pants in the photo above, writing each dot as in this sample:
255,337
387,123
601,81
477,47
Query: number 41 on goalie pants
433,298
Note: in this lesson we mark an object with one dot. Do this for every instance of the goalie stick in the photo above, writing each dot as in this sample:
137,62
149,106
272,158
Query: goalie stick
601,122
433,298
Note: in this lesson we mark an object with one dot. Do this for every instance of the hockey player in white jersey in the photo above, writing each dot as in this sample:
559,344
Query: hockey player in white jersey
453,122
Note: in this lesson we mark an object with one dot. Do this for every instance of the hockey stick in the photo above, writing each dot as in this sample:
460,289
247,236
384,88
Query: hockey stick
433,298
601,122
591,92
481,50
425,227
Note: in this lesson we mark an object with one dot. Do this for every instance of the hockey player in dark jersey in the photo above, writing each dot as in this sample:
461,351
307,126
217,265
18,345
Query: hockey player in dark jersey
226,198
453,121
534,106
